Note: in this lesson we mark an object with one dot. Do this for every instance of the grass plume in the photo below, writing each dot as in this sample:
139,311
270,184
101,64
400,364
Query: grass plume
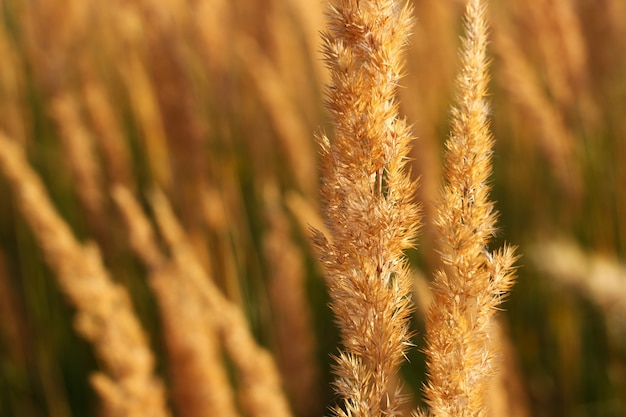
461,357
367,196
200,384
211,101
105,316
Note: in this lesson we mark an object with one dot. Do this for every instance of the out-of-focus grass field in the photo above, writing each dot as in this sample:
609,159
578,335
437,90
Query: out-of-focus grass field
217,103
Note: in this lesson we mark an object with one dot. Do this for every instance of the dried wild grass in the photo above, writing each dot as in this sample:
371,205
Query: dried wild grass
292,133
507,395
210,315
555,139
12,95
290,307
367,197
259,386
78,147
108,134
104,314
461,356
145,94
200,384
149,117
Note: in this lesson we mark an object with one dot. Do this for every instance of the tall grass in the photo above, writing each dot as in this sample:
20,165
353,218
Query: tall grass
367,196
160,178
462,357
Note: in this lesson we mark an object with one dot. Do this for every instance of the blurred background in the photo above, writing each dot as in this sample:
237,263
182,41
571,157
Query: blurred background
217,104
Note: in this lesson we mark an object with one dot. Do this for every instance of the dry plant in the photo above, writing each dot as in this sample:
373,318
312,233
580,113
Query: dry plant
78,147
108,133
461,355
105,315
555,139
293,323
200,384
185,291
145,94
259,385
367,197
293,135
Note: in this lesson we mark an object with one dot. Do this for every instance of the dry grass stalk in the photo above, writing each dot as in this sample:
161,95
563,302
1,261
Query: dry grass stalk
468,289
507,395
541,18
148,114
78,147
260,388
107,131
310,18
559,40
12,96
200,385
306,213
555,140
290,307
432,83
170,67
291,131
105,315
367,195
616,11
573,40
290,58
259,383
213,23
222,208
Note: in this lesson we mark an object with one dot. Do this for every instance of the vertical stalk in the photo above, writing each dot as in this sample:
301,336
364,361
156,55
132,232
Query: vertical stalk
367,196
461,356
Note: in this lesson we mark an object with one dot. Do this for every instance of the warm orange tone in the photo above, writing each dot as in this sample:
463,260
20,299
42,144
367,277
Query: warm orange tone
367,198
473,280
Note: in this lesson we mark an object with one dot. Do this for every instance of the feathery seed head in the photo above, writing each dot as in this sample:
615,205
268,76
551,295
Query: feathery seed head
468,289
367,197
